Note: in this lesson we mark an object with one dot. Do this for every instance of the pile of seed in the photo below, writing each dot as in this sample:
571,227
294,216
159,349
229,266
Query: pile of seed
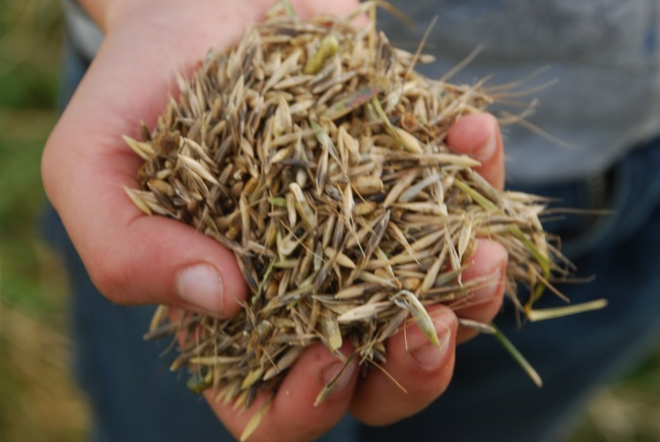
316,153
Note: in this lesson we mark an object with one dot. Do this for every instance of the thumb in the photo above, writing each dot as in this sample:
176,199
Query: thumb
133,258
161,261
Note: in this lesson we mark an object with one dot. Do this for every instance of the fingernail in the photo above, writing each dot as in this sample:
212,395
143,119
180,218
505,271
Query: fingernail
201,285
486,150
428,356
329,373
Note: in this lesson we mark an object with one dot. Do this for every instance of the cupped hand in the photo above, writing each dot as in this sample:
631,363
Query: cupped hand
421,369
135,259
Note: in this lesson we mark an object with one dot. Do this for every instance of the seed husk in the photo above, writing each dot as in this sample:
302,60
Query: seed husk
329,178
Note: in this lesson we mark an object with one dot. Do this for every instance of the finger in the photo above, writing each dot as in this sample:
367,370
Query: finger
488,269
479,136
423,369
292,416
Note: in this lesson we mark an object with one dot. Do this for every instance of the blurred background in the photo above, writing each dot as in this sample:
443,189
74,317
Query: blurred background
38,398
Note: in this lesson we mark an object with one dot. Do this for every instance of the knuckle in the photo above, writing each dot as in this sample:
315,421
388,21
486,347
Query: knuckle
110,274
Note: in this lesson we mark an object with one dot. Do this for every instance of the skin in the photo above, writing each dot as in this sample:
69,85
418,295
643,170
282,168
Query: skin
135,259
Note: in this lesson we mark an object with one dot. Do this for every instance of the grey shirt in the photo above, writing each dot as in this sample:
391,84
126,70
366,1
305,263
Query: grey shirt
604,55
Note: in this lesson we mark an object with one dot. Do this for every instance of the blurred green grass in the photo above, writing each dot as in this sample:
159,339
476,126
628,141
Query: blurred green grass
38,399
28,88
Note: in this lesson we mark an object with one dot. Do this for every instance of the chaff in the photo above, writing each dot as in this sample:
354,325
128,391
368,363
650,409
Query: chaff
315,152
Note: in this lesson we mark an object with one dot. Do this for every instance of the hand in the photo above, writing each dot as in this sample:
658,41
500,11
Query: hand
134,259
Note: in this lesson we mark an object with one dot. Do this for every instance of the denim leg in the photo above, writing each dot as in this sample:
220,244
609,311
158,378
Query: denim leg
491,399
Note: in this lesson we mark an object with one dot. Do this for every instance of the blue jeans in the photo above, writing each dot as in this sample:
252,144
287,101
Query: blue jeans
136,398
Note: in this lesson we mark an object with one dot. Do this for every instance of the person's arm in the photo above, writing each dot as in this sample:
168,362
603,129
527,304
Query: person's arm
136,259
